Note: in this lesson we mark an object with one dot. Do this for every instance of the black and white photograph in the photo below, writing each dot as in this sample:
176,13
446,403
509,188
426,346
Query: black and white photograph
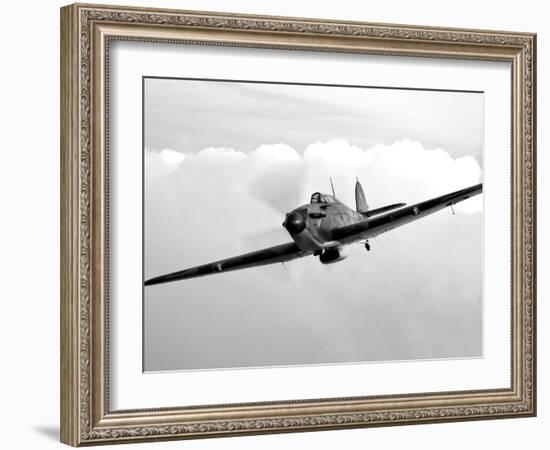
291,224
280,219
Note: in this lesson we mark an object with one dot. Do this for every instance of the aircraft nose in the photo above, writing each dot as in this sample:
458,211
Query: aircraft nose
294,222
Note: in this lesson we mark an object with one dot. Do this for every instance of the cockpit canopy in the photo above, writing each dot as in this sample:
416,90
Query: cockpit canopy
322,198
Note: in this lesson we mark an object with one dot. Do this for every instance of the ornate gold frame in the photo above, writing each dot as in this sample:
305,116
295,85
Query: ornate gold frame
86,31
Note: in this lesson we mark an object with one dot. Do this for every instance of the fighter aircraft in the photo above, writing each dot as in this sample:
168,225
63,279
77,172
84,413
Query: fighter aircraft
323,227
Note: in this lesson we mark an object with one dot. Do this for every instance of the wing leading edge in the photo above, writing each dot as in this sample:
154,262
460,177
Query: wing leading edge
271,255
396,218
371,227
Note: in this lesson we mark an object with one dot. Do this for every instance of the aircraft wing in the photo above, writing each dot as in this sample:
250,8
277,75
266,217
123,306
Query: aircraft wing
271,255
396,218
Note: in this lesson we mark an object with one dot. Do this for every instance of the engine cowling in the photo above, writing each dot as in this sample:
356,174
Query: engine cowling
331,255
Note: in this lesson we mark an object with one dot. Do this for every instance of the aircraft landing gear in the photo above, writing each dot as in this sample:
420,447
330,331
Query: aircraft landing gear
367,246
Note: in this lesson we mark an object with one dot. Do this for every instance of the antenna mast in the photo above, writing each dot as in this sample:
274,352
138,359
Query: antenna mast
332,187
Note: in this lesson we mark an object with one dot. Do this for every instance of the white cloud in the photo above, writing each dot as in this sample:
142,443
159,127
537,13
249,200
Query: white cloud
171,157
200,207
159,164
280,176
220,155
402,171
265,156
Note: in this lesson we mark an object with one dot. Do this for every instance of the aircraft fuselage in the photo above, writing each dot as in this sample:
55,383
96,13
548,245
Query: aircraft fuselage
311,225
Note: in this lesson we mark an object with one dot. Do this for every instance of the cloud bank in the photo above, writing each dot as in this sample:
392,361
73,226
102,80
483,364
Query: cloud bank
280,176
416,295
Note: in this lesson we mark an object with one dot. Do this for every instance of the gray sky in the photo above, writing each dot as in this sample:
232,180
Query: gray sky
191,115
224,161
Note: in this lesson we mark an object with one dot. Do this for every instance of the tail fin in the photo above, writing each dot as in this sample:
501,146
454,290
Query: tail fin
360,200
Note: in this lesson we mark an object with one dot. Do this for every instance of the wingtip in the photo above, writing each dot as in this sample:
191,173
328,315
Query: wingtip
150,282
